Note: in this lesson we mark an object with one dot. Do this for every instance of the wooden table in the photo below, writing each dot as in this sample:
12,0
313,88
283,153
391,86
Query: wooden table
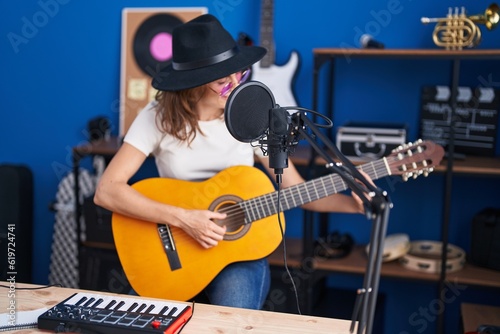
206,318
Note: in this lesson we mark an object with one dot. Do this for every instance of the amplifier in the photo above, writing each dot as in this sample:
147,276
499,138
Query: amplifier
485,239
369,141
97,222
16,220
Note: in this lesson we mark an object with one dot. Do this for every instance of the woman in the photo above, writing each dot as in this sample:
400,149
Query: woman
184,130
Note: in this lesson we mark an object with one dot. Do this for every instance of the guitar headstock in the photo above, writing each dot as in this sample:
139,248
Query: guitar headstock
414,159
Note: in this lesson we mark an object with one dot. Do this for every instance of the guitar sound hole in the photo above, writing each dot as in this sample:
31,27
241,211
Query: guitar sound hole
235,221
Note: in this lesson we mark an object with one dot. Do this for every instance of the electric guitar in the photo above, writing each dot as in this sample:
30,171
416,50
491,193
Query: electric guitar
162,261
279,79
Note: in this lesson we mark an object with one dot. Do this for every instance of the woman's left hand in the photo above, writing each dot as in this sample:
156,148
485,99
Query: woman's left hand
355,196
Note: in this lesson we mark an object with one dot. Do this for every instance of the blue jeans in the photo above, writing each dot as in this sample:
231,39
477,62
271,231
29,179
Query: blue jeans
241,284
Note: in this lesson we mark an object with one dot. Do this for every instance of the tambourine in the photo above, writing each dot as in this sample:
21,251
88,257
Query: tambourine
395,246
425,256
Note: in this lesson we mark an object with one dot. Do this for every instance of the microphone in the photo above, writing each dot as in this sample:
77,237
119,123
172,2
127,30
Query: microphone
279,121
251,115
367,42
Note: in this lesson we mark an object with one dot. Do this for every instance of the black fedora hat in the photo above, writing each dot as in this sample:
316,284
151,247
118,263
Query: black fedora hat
203,51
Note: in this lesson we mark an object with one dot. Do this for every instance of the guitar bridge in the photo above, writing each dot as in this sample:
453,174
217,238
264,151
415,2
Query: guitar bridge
169,246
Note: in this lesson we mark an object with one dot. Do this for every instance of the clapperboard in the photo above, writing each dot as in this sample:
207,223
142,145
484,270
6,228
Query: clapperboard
476,118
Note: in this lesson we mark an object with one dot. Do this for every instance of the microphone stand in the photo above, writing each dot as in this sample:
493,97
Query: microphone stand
376,209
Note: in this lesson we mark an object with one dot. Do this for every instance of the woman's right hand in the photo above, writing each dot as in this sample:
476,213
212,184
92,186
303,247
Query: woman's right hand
200,225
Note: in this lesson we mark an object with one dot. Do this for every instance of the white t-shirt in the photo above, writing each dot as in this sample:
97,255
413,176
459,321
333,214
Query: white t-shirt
207,155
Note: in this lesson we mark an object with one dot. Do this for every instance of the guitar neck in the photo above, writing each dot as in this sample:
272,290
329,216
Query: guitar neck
295,196
266,32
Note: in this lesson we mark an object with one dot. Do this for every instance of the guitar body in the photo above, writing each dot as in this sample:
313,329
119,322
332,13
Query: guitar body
141,250
279,79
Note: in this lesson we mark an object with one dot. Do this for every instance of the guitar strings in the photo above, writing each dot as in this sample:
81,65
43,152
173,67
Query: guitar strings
257,210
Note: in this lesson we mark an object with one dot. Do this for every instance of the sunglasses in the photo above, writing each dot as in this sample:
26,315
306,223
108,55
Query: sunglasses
241,77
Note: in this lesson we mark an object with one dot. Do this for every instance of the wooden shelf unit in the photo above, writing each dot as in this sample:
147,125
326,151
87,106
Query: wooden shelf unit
488,166
408,53
475,315
356,261
481,166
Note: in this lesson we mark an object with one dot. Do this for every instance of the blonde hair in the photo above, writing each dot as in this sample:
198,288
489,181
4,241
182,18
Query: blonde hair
176,114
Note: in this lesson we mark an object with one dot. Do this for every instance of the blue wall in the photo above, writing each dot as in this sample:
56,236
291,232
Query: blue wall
60,67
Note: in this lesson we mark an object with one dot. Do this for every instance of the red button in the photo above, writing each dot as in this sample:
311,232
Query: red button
156,324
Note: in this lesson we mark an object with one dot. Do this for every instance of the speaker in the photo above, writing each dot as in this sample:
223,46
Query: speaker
146,49
485,239
16,222
97,222
100,270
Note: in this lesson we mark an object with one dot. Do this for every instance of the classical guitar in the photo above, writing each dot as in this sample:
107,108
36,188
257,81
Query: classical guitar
164,262
279,79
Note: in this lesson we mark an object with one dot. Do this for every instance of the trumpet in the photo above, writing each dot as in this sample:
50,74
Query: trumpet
457,30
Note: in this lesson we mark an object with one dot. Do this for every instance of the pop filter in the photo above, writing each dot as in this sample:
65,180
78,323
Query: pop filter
247,111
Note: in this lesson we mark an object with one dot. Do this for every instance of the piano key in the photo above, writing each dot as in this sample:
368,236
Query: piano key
150,308
77,299
81,301
156,307
89,302
119,305
130,303
173,311
142,307
132,307
110,305
163,310
97,302
105,301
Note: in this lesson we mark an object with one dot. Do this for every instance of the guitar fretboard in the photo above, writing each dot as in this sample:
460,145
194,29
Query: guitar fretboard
292,197
267,32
